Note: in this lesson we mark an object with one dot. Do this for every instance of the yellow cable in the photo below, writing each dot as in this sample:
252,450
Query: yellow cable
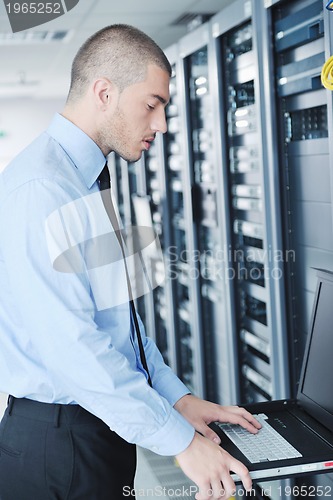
327,74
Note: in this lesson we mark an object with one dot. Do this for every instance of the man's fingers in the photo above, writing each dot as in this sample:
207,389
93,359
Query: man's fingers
218,490
244,418
243,473
209,434
250,418
204,492
209,466
249,426
228,487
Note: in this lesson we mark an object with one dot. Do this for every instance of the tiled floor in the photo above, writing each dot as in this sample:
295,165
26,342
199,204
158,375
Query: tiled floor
160,477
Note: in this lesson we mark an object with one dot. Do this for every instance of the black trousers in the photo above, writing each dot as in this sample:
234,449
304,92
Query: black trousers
61,452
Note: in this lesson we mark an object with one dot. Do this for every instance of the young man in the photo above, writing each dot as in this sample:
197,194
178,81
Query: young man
82,391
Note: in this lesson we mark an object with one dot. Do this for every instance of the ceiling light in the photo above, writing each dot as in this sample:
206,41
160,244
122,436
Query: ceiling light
35,37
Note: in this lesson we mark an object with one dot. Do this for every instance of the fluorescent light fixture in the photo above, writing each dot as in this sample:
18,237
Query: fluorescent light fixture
35,37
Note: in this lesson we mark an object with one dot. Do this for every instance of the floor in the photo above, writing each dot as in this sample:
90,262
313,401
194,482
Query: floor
160,477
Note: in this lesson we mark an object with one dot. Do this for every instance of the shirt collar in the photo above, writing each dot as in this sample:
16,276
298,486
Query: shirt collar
82,150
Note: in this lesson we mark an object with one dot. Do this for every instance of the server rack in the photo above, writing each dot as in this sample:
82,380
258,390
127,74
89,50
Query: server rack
301,41
126,180
158,303
170,154
178,250
302,109
256,294
160,297
143,302
206,241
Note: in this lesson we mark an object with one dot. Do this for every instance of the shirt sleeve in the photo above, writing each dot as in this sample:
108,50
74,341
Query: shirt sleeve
58,313
164,380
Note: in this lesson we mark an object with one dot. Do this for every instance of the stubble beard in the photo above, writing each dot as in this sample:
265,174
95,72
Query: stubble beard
114,137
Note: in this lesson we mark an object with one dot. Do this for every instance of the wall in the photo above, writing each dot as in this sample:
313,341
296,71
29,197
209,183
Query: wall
21,120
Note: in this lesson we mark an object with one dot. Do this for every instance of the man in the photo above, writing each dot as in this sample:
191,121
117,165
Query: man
83,393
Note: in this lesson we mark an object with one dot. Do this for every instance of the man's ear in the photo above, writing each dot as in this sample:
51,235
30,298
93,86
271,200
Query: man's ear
103,91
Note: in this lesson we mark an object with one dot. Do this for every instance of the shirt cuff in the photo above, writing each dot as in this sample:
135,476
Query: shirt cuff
171,388
173,438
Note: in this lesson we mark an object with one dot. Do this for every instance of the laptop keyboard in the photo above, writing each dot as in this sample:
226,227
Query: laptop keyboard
267,445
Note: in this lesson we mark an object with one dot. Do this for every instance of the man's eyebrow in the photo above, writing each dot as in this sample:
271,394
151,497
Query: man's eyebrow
160,98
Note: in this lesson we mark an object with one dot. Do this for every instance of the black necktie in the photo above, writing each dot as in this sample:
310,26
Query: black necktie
104,186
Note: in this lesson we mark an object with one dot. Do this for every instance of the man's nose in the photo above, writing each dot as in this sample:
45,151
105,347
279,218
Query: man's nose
159,123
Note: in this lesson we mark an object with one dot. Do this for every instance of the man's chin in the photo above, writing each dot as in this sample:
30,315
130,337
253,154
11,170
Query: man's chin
131,159
127,156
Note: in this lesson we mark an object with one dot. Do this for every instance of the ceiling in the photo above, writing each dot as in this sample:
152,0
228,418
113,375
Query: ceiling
41,70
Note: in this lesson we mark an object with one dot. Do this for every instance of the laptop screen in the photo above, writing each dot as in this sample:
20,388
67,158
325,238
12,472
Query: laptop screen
317,375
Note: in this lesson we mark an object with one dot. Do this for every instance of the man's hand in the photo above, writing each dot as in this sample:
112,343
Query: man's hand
209,466
200,413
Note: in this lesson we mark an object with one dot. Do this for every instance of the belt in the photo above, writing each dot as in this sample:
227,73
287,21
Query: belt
50,412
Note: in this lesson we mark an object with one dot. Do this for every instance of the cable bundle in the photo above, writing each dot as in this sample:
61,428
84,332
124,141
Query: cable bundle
327,74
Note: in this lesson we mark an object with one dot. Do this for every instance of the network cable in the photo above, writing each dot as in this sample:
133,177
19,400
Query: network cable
327,73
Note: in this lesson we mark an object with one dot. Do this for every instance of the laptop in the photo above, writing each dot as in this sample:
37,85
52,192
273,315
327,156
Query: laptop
304,426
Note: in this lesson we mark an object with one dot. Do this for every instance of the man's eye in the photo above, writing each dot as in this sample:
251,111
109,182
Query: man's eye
150,107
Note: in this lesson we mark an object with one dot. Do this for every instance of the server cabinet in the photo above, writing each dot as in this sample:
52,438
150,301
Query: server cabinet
304,160
202,223
143,302
177,210
301,39
151,209
212,344
255,288
126,179
161,298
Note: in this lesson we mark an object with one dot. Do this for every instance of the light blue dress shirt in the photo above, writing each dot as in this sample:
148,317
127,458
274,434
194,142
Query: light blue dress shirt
65,338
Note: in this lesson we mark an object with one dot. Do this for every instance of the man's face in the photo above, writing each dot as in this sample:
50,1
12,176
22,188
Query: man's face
137,116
